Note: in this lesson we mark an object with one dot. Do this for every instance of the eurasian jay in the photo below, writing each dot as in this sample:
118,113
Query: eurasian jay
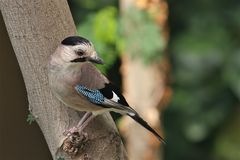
76,82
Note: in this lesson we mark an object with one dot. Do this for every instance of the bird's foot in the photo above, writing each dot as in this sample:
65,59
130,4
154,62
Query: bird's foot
76,134
74,142
71,131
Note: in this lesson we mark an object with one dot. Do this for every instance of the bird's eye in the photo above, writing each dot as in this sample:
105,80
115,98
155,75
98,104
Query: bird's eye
80,53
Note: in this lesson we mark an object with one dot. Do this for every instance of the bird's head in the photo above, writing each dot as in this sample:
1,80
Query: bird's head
75,49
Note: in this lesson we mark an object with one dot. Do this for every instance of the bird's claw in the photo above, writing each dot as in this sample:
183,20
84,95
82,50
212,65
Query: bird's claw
71,131
74,141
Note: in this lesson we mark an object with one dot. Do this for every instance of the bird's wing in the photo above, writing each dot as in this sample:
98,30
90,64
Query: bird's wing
110,97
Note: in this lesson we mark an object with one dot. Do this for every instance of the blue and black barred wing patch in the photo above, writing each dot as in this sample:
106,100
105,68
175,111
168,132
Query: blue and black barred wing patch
104,97
94,96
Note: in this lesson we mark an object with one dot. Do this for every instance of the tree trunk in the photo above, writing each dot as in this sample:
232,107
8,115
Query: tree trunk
14,110
35,29
144,87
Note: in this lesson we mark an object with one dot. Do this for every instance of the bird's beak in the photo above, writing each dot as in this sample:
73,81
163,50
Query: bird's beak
96,59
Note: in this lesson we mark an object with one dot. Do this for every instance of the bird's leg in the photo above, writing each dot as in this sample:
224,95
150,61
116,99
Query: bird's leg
85,123
74,129
75,136
84,118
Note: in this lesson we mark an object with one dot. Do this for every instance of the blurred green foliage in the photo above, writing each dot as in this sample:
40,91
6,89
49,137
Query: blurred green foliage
227,142
206,65
101,29
142,36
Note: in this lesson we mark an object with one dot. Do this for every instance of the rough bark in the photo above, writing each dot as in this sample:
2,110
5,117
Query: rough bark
13,110
144,87
35,29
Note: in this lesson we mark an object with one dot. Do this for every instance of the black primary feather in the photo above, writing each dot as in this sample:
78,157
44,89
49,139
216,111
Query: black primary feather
143,123
75,40
107,92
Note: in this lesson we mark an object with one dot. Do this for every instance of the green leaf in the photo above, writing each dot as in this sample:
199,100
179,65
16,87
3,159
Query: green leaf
30,118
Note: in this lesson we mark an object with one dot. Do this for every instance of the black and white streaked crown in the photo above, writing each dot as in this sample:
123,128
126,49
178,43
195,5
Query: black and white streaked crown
75,40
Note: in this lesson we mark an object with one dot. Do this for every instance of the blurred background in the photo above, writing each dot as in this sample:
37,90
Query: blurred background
177,63
195,44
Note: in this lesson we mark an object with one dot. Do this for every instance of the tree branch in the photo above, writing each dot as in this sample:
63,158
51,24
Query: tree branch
35,29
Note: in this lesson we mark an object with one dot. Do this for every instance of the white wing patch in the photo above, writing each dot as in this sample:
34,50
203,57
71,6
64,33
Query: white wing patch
115,98
131,113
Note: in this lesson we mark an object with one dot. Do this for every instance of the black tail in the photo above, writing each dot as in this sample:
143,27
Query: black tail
142,122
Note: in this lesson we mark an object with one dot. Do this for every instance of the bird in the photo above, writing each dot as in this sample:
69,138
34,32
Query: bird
75,80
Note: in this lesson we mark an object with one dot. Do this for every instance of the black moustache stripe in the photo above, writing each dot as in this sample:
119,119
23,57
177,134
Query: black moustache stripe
79,60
